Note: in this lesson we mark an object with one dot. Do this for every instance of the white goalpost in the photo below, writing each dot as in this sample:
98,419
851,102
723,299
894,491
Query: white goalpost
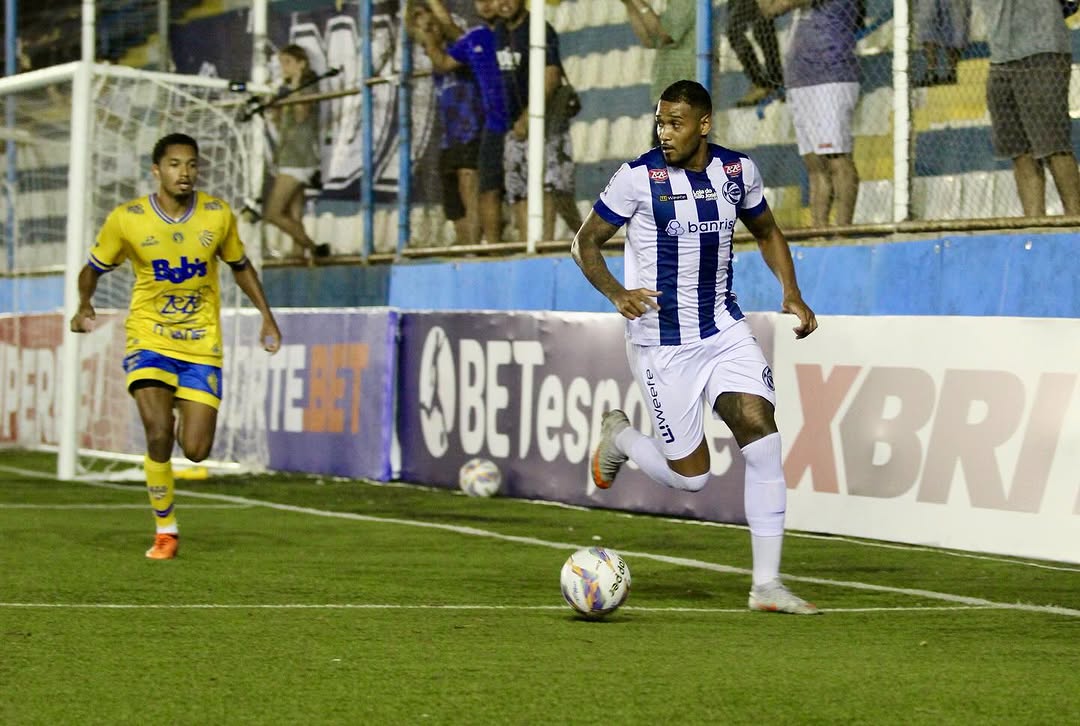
79,146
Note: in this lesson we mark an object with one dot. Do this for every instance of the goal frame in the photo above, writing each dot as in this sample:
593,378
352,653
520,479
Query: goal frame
81,75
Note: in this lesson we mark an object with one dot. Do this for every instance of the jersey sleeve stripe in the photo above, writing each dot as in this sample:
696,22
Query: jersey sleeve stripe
99,265
238,264
607,215
755,211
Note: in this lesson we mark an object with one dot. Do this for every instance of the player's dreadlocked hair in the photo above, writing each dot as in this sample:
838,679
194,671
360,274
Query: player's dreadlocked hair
692,93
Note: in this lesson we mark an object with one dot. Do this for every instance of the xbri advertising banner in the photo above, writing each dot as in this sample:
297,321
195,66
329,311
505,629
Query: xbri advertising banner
528,390
944,431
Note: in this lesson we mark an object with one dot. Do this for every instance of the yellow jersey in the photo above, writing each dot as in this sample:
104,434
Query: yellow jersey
176,300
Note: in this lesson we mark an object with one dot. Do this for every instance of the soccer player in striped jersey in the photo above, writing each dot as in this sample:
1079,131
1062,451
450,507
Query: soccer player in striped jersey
687,339
174,239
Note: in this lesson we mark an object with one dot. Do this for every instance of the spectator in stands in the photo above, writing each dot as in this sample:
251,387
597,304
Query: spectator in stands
767,80
1027,92
297,155
462,115
472,53
672,35
822,82
942,27
513,54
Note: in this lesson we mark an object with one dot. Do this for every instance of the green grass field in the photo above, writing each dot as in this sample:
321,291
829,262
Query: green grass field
297,600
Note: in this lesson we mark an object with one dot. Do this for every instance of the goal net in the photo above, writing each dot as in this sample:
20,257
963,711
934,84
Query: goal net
51,213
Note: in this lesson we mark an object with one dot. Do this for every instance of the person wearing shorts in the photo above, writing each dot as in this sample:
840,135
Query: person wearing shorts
175,239
822,80
688,343
454,49
296,157
513,54
1027,93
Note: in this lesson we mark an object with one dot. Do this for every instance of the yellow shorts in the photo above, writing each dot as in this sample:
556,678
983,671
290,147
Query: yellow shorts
190,381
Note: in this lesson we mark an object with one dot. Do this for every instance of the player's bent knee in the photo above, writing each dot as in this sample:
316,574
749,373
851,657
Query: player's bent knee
689,483
159,437
196,452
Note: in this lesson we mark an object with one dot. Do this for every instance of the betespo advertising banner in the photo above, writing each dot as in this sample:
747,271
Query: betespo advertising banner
949,431
527,390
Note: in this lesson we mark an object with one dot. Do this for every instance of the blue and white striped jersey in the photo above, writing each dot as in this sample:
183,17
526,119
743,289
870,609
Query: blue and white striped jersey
678,239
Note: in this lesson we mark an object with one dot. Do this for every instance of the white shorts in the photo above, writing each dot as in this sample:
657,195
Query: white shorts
679,381
822,116
301,174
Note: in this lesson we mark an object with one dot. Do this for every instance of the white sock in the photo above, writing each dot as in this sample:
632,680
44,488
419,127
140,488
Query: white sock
766,552
765,501
645,451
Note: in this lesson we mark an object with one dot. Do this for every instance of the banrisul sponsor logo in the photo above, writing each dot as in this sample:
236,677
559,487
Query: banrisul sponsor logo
165,272
676,228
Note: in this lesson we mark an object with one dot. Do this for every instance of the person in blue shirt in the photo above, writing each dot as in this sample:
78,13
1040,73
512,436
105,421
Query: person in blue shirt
513,55
471,52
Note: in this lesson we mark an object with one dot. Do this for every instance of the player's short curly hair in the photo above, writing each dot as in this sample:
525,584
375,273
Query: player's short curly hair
692,93
172,140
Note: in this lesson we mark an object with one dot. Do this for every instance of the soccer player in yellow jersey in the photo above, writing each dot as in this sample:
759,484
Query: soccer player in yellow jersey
174,239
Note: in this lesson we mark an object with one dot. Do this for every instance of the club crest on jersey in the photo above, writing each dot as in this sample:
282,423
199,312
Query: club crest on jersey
206,238
733,168
658,175
732,192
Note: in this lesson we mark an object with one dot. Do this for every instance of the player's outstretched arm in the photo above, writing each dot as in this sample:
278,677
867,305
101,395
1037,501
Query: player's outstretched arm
248,281
774,248
585,250
83,319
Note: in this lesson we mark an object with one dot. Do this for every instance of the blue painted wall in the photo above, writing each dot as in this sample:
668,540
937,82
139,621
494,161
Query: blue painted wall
1031,275
1022,274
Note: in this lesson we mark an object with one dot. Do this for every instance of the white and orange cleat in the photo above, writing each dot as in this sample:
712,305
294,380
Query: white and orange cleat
607,459
165,546
774,597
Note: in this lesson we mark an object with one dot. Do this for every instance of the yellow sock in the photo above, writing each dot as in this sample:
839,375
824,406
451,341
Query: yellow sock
159,485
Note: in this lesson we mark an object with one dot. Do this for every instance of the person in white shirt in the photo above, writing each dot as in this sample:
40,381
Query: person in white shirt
687,339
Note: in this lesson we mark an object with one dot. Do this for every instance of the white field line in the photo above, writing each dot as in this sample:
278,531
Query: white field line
886,545
571,546
117,506
395,606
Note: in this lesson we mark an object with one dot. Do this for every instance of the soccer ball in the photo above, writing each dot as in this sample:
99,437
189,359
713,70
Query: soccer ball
479,478
595,581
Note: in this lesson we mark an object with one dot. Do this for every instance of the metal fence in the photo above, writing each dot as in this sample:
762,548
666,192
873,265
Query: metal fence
884,127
